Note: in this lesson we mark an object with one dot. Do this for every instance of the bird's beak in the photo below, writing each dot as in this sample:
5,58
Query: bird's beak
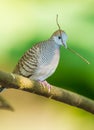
64,39
64,44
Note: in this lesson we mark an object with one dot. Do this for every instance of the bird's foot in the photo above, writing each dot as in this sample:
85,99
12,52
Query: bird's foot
46,84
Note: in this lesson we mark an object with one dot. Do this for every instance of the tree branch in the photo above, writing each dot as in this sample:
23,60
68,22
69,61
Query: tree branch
5,105
10,80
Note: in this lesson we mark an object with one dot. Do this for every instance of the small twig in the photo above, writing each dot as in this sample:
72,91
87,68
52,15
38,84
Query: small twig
5,105
56,93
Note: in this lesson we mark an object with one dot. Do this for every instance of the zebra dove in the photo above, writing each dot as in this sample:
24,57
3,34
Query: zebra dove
40,61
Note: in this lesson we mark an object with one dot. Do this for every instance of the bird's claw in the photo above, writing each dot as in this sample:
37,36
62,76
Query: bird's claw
46,84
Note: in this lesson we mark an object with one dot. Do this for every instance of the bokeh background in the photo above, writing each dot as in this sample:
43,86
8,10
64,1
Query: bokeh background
26,22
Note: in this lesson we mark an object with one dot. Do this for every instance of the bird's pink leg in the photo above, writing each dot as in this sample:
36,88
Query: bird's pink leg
46,84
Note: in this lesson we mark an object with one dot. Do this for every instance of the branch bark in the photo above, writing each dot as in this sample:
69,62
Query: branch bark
10,80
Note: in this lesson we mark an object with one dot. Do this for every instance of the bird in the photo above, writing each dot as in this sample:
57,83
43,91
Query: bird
40,62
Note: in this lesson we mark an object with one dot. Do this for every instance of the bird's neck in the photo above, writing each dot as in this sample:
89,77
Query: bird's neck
54,44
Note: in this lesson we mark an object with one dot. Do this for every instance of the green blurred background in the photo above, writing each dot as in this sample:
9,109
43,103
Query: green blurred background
26,22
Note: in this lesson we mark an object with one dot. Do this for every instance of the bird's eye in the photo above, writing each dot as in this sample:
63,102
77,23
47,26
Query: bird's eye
59,37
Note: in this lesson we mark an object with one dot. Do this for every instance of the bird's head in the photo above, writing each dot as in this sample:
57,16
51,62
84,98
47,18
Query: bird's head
60,37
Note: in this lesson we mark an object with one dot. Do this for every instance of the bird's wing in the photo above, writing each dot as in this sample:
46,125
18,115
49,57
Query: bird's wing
28,62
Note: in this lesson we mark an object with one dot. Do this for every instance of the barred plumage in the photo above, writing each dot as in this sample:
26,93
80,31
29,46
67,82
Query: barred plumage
36,62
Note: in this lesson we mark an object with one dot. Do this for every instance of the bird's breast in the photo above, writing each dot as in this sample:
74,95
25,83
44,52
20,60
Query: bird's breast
47,64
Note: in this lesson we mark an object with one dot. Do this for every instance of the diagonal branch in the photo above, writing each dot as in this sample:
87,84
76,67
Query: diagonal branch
10,80
5,105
